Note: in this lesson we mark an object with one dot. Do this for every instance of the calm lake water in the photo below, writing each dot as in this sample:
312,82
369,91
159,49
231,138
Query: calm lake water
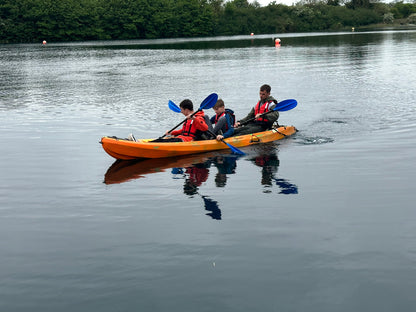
321,221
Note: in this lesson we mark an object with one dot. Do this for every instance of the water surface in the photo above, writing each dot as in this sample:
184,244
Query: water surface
321,221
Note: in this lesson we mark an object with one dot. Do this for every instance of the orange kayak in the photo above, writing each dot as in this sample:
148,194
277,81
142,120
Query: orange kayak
125,149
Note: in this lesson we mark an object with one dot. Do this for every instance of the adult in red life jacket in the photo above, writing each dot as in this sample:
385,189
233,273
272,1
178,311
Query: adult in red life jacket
260,123
223,121
192,128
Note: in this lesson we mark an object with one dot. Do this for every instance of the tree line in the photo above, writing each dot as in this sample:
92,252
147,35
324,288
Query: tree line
76,20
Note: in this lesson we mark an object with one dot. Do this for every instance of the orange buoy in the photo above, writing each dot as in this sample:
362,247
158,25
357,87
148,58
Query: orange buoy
277,42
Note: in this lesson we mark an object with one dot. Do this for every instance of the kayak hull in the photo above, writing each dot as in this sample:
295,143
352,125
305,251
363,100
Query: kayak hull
126,150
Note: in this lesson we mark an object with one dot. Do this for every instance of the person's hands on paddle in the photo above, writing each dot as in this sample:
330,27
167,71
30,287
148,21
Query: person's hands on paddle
282,107
220,137
237,124
257,116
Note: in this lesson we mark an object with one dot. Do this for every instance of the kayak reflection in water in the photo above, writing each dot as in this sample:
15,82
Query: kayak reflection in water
194,170
269,164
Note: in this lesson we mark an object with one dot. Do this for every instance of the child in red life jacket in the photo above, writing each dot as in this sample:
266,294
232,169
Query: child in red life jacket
223,120
192,127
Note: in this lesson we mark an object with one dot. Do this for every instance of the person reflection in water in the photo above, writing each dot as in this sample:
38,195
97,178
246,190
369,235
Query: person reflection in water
197,174
225,165
269,164
194,177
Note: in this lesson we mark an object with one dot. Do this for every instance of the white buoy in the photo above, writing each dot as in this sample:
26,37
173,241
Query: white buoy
44,42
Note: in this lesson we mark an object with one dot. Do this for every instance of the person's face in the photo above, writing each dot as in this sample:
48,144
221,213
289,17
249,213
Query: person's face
219,110
264,95
185,111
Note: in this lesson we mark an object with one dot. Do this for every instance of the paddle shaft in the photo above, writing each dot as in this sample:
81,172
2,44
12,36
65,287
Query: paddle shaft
192,115
282,106
233,148
251,119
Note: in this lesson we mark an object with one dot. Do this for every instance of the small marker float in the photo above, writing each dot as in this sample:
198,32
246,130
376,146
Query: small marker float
277,42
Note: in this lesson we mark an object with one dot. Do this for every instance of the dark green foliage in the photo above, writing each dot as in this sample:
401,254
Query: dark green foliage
74,20
403,10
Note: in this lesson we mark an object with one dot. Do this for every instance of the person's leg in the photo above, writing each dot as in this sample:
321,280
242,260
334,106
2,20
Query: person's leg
167,140
248,129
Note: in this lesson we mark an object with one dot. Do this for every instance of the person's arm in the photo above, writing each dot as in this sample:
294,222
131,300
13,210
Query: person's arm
273,116
176,132
200,123
179,131
230,127
219,125
249,116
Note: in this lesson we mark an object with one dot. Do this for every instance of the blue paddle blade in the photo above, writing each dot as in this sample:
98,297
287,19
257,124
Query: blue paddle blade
174,107
209,101
234,149
285,105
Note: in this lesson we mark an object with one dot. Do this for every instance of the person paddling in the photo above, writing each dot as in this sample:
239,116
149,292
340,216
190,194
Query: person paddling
223,121
192,128
259,123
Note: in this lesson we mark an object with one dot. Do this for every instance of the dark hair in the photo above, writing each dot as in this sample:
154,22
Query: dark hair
187,104
266,88
220,103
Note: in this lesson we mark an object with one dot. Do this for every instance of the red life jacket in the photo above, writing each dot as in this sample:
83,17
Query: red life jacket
197,175
232,118
260,109
189,128
218,117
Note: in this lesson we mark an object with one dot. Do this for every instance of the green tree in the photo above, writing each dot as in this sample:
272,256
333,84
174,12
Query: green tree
356,4
403,10
69,20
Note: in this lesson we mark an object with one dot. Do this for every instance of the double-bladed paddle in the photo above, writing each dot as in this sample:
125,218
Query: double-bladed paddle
234,149
174,107
281,107
208,103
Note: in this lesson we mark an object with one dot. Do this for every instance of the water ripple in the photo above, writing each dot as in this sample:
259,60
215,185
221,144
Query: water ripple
305,140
